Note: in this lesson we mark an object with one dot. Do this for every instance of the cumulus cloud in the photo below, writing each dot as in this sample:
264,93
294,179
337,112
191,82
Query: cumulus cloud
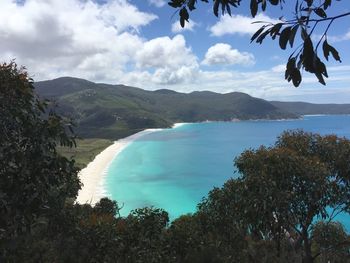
70,37
170,60
163,77
99,42
157,3
189,26
165,52
224,54
279,68
104,43
239,24
271,85
333,38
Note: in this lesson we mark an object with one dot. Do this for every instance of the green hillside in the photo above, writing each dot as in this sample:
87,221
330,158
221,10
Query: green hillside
304,108
114,111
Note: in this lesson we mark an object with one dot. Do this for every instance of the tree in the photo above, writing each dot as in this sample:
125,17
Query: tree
107,206
35,181
332,244
142,235
285,189
307,16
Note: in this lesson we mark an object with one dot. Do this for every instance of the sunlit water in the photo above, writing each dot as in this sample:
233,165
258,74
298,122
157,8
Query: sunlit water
174,168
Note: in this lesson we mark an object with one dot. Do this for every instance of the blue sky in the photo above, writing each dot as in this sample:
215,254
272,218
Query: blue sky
140,43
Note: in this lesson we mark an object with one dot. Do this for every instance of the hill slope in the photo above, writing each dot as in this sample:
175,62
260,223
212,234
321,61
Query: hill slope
304,108
114,111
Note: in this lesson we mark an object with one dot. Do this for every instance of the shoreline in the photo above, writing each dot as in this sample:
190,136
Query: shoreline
93,175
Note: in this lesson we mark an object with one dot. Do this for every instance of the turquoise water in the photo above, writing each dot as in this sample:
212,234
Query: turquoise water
174,168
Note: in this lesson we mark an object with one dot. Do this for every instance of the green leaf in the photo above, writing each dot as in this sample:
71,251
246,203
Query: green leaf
191,4
284,37
172,5
320,12
228,8
291,64
184,16
329,49
296,77
320,70
182,22
308,55
176,3
262,36
334,53
256,34
253,7
275,30
325,48
216,7
292,35
304,34
327,3
309,2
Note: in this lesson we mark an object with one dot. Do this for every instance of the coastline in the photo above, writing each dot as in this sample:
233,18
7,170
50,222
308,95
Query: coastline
92,176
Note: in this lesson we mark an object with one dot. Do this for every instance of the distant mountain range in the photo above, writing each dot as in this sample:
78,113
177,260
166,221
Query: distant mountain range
115,111
304,108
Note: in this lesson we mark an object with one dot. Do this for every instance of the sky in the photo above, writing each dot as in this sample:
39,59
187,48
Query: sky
140,43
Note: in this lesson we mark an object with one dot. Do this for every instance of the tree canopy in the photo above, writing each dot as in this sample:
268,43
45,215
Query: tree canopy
286,189
282,208
35,180
306,17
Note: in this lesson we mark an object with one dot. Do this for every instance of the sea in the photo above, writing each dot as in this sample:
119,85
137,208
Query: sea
175,168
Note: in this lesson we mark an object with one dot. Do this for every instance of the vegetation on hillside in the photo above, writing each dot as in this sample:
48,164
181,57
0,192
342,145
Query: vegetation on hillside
281,209
116,111
85,150
304,108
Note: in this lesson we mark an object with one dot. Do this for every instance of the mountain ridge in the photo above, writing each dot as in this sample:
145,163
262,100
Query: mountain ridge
114,111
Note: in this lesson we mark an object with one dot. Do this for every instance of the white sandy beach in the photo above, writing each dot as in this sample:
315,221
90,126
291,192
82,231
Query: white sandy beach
92,176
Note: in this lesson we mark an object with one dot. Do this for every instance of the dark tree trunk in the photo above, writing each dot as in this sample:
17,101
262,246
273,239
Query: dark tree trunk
307,255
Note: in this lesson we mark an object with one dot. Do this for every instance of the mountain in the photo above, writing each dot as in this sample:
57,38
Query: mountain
304,108
114,111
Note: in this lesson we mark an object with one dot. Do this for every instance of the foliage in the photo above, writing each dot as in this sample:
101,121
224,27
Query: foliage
270,214
134,109
85,150
304,177
308,15
35,180
332,244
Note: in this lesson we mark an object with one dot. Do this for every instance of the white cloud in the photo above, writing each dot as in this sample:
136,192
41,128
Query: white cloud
165,52
170,60
184,74
104,43
71,37
224,54
279,68
271,85
333,38
238,24
189,26
157,3
162,77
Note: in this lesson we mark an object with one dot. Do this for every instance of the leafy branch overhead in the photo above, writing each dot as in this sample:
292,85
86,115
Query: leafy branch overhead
307,16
